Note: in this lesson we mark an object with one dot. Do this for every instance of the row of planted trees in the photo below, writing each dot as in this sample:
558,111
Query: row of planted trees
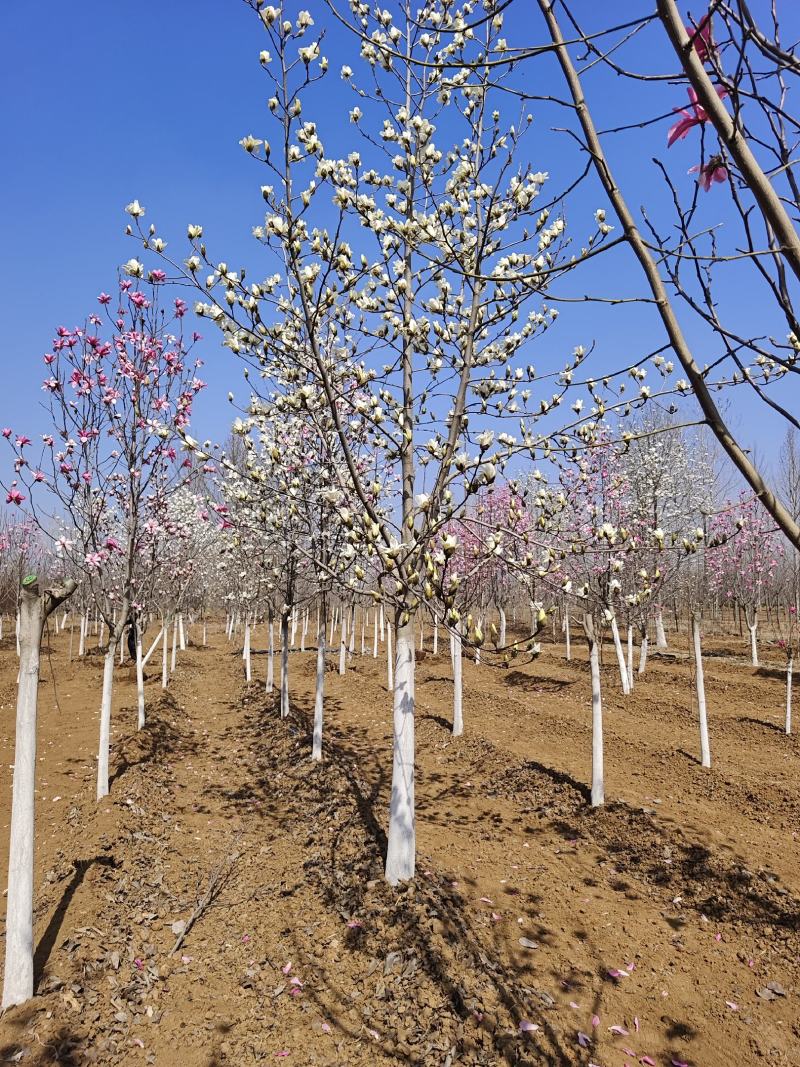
418,439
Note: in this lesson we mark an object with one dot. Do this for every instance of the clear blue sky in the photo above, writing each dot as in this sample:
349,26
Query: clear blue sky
105,102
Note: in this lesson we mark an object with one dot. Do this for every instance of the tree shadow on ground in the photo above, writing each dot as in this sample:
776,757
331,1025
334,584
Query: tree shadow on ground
50,936
435,974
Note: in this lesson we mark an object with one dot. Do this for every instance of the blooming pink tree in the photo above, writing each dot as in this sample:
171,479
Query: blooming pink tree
118,390
750,554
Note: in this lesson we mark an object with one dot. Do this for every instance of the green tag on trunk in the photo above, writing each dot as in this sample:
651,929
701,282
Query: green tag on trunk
30,579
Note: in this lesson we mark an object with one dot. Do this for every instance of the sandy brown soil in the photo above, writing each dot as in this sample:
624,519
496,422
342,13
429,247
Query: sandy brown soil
667,915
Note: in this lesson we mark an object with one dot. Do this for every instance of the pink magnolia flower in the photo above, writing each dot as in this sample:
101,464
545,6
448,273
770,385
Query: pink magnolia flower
104,298
693,116
700,36
158,276
6,432
38,476
22,440
711,172
14,496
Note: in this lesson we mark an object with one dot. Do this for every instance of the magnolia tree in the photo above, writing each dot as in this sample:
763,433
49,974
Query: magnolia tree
20,549
424,258
671,486
117,392
293,484
36,605
742,569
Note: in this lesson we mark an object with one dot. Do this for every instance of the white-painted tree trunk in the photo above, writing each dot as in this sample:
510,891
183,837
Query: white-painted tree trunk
502,633
389,661
248,665
567,636
271,658
319,694
165,655
205,633
643,653
661,637
351,646
153,647
598,774
623,670
105,718
140,710
181,633
18,974
753,628
401,846
174,660
375,636
293,641
343,645
705,750
382,624
284,666
363,632
436,637
789,671
630,659
82,638
458,688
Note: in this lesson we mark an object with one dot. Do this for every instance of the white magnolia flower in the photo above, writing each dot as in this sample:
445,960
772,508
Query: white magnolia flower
133,268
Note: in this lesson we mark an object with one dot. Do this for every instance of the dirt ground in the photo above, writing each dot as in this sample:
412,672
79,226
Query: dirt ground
661,930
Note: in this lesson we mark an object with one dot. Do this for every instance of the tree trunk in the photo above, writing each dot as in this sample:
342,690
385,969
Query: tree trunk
174,659
33,611
284,666
623,670
181,633
643,652
753,629
661,637
705,751
567,637
389,661
248,665
502,633
401,847
435,637
139,680
598,776
630,659
319,693
105,716
789,669
271,658
164,657
375,636
343,645
458,689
